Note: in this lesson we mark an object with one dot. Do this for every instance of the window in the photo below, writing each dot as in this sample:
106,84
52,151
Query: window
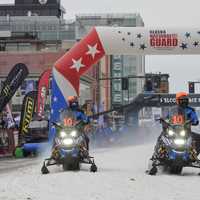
117,98
24,47
2,46
11,47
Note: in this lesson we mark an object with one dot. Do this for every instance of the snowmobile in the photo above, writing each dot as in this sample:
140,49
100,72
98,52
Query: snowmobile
174,150
70,147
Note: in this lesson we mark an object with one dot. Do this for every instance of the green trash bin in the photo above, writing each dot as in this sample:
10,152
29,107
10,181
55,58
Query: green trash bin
19,152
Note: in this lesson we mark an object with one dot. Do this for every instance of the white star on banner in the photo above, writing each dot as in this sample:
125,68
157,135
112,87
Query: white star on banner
55,99
92,50
77,64
51,111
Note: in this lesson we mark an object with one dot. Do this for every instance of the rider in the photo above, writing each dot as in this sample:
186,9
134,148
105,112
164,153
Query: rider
179,114
182,101
80,115
189,113
186,113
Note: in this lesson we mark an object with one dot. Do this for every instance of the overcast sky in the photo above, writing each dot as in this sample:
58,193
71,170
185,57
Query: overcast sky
155,13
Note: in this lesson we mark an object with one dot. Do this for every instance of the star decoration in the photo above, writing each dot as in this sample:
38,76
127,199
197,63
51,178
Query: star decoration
187,35
77,64
92,50
129,33
123,39
119,32
51,111
198,32
196,43
184,46
139,35
132,44
55,99
142,46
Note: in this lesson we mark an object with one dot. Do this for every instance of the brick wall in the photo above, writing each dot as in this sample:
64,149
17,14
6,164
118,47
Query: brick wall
36,62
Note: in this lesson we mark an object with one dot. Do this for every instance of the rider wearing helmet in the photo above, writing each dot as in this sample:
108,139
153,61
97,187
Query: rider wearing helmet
80,115
180,114
187,113
182,101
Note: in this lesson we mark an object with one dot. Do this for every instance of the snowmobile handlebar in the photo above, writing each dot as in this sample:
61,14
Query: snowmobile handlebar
165,123
56,124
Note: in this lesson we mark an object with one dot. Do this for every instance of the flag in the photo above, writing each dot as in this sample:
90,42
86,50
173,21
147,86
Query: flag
68,70
43,87
76,62
13,81
58,103
27,111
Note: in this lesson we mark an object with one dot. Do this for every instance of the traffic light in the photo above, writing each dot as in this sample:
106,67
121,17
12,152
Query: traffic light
191,87
125,83
149,85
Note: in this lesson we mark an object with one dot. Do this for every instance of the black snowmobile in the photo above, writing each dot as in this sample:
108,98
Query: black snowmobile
174,150
70,146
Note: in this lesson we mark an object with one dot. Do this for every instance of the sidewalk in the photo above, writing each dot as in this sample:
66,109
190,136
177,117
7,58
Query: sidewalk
5,156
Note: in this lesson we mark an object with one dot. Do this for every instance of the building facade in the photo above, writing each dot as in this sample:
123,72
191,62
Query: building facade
34,32
33,7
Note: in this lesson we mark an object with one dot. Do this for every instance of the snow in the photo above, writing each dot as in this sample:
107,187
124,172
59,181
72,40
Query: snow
121,176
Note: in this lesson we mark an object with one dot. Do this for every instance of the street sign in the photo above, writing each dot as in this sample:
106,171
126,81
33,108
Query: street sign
170,100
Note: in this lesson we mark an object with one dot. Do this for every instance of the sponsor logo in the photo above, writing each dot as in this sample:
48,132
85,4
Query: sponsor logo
29,108
172,100
160,39
6,90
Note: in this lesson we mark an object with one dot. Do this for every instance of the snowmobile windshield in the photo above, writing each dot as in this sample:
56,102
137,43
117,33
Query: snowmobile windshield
176,116
68,118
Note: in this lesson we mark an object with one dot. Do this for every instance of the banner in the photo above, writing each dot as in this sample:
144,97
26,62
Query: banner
27,113
43,87
14,79
58,103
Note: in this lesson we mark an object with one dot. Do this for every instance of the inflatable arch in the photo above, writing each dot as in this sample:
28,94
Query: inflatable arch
102,41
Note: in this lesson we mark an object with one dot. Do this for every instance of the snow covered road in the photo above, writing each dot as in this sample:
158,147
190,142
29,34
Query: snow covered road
121,176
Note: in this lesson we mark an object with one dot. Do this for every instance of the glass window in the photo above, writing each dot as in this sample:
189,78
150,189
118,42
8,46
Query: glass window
2,46
117,74
129,65
24,47
117,87
117,98
11,47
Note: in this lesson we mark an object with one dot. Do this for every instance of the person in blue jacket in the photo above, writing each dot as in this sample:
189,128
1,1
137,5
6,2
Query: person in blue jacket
189,113
79,114
179,114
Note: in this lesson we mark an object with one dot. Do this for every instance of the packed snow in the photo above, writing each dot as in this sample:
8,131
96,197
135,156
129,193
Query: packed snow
121,176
